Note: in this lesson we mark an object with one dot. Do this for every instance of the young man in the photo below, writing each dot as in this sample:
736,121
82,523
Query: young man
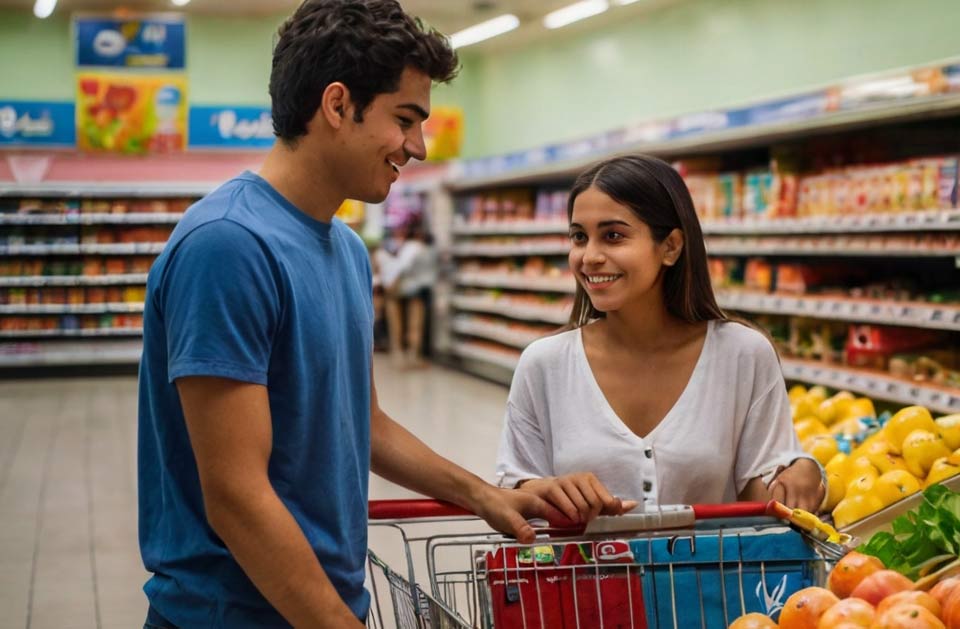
259,421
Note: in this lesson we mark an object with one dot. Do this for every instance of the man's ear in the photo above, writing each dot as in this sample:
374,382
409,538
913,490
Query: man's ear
672,247
335,104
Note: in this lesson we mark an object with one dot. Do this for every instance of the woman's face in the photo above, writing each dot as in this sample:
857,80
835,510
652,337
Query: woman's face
613,254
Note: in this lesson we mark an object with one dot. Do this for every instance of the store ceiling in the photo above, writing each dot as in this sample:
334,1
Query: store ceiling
447,15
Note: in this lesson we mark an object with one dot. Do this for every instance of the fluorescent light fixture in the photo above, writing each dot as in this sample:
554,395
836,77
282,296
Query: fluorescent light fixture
624,2
180,3
484,30
43,8
574,12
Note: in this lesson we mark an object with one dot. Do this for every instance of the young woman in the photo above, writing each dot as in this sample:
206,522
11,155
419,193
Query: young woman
652,394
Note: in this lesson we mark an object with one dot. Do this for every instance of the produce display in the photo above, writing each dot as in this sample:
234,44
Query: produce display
901,579
872,462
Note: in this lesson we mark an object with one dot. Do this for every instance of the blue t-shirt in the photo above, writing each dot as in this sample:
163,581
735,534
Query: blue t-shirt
252,289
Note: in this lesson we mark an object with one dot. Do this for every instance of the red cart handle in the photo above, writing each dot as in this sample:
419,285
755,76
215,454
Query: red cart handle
414,508
427,508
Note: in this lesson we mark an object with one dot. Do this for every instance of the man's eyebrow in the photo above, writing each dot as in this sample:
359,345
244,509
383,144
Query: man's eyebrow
417,109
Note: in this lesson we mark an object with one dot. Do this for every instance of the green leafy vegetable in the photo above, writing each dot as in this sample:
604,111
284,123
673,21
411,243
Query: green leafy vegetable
922,539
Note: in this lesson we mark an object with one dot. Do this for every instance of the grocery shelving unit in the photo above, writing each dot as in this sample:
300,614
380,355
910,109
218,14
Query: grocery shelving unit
80,303
496,290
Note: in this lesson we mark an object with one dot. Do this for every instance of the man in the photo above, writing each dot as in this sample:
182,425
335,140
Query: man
259,421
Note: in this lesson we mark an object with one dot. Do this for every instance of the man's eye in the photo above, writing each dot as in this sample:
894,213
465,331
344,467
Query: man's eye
405,122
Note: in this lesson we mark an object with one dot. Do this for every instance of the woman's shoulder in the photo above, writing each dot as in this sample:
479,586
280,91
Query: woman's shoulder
736,338
548,349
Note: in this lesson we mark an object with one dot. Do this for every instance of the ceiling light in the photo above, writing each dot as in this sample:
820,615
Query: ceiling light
623,2
574,12
180,3
484,30
43,8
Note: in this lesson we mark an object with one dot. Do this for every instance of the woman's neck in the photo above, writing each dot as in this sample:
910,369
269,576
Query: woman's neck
642,327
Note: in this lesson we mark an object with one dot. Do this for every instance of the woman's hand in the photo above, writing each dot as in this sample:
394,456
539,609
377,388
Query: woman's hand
580,497
799,486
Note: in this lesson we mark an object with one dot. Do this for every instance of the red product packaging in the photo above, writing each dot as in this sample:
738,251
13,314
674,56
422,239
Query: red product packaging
873,345
606,586
525,587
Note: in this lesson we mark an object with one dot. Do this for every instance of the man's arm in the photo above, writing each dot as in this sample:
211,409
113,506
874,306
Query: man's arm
231,434
398,456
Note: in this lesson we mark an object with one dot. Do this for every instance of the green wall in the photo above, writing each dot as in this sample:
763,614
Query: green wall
689,56
228,59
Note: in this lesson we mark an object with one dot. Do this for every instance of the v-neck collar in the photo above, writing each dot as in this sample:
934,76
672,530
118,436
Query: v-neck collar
616,421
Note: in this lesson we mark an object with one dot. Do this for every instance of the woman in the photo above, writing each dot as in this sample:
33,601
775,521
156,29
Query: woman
652,394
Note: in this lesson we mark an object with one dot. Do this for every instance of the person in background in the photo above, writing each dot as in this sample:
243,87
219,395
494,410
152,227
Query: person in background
258,416
408,278
652,393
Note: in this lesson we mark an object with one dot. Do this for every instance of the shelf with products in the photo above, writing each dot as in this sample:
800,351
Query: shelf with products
883,311
510,333
885,192
486,352
73,267
530,307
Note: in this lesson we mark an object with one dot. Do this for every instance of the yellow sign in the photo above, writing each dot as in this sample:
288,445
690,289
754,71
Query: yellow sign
351,212
443,133
127,113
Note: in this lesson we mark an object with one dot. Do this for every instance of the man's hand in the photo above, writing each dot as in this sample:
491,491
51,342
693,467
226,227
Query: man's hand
580,497
507,510
799,486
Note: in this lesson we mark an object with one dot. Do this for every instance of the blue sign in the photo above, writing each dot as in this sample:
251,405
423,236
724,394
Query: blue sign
27,123
230,127
151,41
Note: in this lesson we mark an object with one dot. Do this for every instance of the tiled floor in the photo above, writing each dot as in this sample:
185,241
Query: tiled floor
68,518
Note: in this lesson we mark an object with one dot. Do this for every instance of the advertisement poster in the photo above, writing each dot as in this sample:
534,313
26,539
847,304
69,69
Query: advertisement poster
131,114
228,127
32,123
443,133
140,41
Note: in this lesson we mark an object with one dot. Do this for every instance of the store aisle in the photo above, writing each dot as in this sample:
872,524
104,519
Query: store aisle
68,524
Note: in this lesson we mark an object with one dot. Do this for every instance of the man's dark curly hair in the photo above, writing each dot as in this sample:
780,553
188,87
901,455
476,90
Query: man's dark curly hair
365,44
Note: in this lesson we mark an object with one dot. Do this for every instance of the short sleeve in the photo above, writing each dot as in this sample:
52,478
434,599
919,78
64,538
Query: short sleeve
523,452
219,301
768,440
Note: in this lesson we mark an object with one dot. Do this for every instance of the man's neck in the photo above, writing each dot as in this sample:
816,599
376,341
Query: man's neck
304,186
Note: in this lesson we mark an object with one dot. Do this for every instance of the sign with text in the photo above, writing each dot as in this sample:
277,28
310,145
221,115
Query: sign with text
147,41
31,123
230,128
131,113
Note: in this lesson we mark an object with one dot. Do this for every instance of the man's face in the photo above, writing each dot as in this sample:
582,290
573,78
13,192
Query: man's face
390,134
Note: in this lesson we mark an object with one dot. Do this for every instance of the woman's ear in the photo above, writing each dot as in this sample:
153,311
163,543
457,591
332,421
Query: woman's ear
672,247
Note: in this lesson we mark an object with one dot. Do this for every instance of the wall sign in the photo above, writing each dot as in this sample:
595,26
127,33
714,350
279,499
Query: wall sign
146,41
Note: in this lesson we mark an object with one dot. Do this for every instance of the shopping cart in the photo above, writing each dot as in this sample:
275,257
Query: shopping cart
679,567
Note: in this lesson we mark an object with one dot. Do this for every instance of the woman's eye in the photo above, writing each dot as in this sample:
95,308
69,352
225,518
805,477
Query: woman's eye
578,237
614,236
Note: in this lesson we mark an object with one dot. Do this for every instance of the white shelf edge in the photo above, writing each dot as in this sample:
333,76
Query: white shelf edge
90,333
905,314
784,249
159,218
546,314
873,385
477,353
68,309
126,248
167,190
518,227
497,333
920,220
70,358
73,280
490,280
497,251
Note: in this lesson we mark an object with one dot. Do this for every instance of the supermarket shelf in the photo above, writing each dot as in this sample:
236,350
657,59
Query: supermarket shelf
126,248
92,333
523,249
32,309
578,158
911,314
496,332
74,280
928,220
828,246
93,355
155,218
514,227
499,359
527,312
519,282
139,189
873,384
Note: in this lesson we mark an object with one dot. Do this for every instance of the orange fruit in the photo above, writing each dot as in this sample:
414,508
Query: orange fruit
907,616
753,621
853,568
804,609
880,585
913,597
852,611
